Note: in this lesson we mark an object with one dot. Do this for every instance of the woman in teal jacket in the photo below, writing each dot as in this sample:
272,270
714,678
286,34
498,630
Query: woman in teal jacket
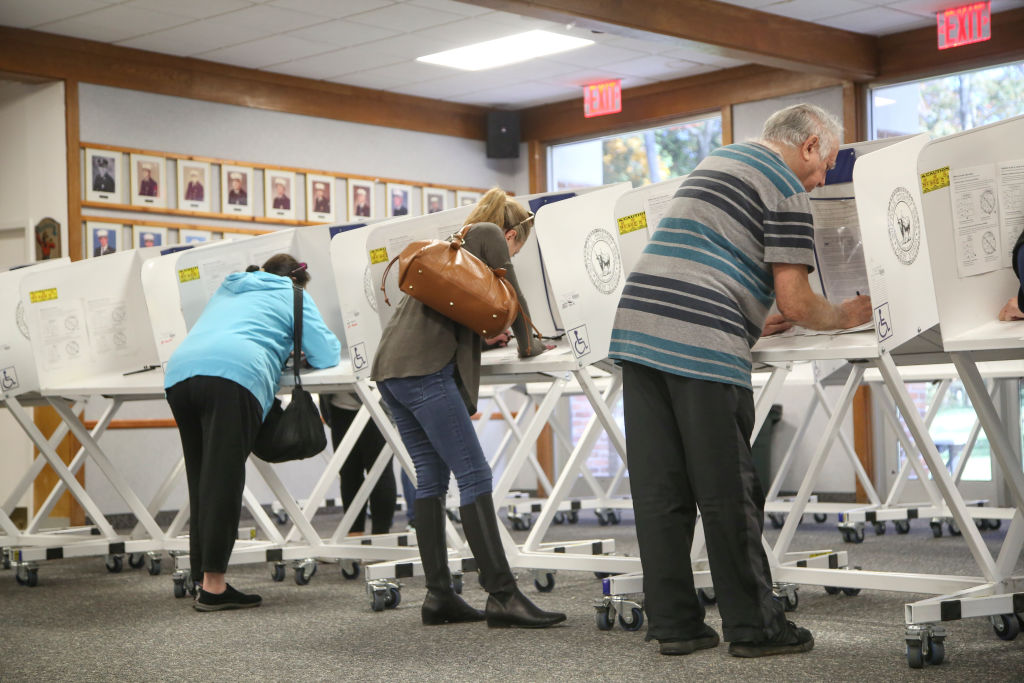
220,385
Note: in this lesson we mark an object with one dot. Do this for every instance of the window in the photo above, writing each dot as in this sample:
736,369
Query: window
642,157
950,104
951,430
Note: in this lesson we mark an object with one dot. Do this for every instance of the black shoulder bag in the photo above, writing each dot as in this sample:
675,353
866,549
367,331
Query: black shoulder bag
295,432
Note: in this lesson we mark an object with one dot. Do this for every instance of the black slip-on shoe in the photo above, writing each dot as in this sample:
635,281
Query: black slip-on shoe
708,638
229,599
790,640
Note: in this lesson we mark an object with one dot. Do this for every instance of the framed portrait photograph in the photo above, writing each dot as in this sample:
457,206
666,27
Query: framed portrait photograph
146,236
148,180
319,198
360,199
399,199
103,238
434,199
193,236
278,193
236,189
103,176
193,185
466,197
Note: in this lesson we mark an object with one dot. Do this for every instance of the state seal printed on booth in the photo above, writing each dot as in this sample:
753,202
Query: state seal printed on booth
368,290
602,260
904,226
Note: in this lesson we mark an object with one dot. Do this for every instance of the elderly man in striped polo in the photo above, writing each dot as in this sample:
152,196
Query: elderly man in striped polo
737,235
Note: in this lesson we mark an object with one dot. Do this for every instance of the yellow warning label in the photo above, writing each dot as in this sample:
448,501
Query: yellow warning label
632,222
935,180
41,295
188,274
379,255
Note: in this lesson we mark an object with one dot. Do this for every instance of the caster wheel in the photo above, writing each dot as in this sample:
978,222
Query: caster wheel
936,651
379,601
776,519
1006,626
548,585
394,598
820,518
114,563
707,596
154,566
852,534
936,529
604,620
954,530
304,572
602,575
559,518
281,517
879,528
277,573
635,622
613,517
350,572
136,560
982,524
915,655
790,602
833,590
179,589
995,524
457,583
851,591
574,517
602,518
27,577
517,524
6,559
902,526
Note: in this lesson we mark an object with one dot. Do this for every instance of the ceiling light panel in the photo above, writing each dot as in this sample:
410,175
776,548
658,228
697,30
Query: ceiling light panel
508,50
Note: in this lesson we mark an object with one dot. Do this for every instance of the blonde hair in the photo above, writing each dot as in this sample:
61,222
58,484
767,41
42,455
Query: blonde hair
498,208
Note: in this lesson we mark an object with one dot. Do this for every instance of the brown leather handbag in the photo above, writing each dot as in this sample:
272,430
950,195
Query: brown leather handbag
457,284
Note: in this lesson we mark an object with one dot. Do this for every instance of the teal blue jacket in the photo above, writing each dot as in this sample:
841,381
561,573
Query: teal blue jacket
245,335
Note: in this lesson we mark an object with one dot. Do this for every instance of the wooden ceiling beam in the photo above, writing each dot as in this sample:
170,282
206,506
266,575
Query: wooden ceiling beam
915,54
716,28
59,57
659,102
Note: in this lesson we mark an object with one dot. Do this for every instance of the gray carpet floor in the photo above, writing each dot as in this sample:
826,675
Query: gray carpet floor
83,623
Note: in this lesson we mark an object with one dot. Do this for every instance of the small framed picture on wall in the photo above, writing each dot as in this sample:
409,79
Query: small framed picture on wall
148,180
399,198
434,199
360,199
466,197
186,236
236,189
278,193
103,176
193,185
146,236
319,198
104,238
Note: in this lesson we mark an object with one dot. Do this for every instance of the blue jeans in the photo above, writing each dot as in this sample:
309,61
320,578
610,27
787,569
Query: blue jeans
436,430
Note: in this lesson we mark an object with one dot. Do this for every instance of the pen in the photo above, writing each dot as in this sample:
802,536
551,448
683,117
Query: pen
145,368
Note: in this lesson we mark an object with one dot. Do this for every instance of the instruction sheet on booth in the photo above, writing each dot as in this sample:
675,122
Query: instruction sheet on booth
976,220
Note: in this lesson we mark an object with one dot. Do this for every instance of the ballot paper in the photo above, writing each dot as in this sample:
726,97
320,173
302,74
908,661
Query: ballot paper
838,250
212,273
1011,206
976,220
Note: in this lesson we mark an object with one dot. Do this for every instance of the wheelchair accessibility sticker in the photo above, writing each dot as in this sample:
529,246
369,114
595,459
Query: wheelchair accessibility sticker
883,322
359,356
8,379
579,341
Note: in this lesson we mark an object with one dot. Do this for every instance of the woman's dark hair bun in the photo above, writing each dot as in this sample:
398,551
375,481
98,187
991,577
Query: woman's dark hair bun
252,269
285,265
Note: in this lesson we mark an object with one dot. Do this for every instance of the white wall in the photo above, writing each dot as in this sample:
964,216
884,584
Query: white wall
749,118
33,186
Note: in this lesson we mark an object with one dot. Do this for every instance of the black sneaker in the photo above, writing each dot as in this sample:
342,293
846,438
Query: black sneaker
790,640
708,638
229,599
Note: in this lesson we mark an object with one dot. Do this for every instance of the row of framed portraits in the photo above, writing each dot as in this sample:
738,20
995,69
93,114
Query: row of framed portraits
149,183
105,238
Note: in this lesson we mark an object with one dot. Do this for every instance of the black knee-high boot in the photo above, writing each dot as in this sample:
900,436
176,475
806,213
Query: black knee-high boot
506,605
442,604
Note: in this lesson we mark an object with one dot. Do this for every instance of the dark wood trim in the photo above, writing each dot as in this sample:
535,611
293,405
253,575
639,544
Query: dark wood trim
60,57
915,54
174,226
727,132
67,507
656,103
721,29
546,457
75,237
538,166
863,437
851,116
196,214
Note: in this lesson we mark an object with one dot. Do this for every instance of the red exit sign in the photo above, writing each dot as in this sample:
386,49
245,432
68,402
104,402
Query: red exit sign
964,25
602,98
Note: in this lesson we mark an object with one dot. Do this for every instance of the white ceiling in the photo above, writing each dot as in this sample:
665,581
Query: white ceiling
374,43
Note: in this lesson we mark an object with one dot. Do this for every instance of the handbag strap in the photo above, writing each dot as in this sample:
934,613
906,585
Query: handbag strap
297,333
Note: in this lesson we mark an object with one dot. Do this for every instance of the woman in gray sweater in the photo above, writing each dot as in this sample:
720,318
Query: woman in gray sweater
428,371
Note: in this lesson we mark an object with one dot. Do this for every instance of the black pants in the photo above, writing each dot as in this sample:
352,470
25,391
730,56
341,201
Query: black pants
218,421
360,460
688,446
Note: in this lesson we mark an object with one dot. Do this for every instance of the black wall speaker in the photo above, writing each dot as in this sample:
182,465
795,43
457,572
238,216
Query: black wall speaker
503,135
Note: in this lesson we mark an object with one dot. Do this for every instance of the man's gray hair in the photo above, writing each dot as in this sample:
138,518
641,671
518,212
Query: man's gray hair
794,124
